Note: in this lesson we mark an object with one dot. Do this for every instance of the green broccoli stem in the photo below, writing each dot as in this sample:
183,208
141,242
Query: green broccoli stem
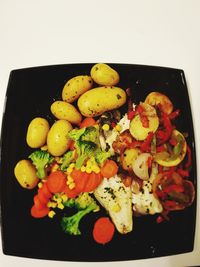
41,173
71,224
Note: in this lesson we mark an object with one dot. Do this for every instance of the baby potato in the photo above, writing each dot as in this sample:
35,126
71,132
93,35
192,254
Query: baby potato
103,74
57,138
98,100
66,111
25,174
155,99
137,130
75,87
37,132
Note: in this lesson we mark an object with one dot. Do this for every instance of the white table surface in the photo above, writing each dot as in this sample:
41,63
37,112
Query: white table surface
151,32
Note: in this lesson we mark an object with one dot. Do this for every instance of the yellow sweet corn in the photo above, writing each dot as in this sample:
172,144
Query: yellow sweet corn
51,204
72,185
60,206
40,185
116,208
51,214
64,198
106,127
118,128
95,169
83,168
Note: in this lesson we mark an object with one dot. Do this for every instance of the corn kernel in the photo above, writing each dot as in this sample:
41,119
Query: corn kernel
106,127
116,208
71,185
83,168
44,148
58,160
51,214
69,178
60,206
88,170
95,169
51,204
55,167
64,198
40,185
69,170
97,209
118,127
59,200
89,164
72,165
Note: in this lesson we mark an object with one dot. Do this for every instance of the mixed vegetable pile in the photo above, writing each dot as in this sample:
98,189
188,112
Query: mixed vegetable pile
95,157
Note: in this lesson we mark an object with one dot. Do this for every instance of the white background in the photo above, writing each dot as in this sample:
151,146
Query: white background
151,32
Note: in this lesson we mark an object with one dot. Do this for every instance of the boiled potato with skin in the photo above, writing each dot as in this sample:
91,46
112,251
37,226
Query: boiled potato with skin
75,87
37,132
128,157
57,139
25,174
98,100
137,130
156,98
66,111
103,74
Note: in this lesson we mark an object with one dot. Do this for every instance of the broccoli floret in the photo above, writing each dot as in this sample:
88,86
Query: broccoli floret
85,149
76,134
85,204
67,159
86,142
91,134
41,159
102,156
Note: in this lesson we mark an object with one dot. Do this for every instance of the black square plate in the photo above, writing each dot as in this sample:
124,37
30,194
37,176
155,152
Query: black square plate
29,94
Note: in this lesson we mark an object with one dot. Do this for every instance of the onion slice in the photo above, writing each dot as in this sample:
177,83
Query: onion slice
140,166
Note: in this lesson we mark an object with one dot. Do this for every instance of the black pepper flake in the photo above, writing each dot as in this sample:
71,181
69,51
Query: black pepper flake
147,210
142,190
118,96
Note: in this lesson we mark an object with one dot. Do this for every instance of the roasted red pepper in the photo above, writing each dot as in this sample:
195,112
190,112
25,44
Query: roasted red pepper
146,145
174,114
189,158
173,187
164,135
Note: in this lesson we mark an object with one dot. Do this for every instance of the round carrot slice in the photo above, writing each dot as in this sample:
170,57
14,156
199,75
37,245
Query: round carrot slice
92,183
103,230
39,213
109,169
56,182
38,204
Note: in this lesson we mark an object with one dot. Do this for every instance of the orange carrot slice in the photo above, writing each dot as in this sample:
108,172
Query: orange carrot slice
103,230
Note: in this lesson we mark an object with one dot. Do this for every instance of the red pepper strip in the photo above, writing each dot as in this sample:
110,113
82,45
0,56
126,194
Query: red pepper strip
174,114
174,187
189,158
159,219
149,162
173,141
165,135
160,148
139,109
130,114
183,173
144,120
160,169
146,145
161,194
169,204
135,144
